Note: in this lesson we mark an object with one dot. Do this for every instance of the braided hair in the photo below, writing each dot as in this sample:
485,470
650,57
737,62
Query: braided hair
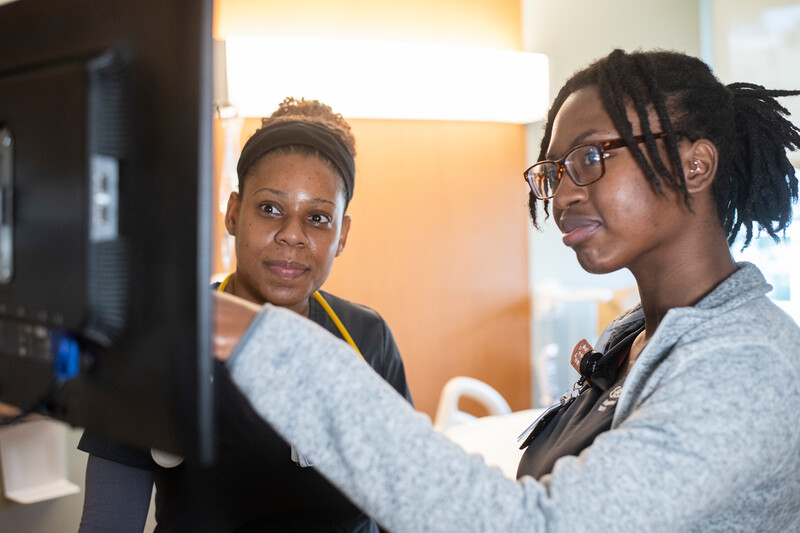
755,184
312,111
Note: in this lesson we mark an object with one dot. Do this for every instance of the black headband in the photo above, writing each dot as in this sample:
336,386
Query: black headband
293,132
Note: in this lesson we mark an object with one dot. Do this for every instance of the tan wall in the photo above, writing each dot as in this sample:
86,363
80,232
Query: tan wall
438,246
489,23
438,242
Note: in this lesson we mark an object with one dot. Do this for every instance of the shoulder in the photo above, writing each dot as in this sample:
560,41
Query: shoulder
753,329
727,385
371,334
735,344
355,314
727,356
737,311
735,327
744,362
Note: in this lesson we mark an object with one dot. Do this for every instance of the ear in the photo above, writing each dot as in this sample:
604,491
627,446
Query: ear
700,165
232,213
343,234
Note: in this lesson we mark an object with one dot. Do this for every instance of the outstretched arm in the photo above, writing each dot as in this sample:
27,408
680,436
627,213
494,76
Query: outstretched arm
656,471
358,431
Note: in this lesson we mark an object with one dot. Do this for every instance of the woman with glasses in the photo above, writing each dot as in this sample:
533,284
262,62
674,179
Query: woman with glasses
685,414
296,179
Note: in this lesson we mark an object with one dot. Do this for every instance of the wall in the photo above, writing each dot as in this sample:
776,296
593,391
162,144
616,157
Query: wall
493,24
440,250
438,242
758,42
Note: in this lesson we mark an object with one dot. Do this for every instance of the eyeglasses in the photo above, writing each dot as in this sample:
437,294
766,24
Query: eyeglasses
584,164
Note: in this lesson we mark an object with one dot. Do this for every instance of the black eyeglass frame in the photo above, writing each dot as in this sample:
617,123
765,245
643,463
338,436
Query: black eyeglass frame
602,146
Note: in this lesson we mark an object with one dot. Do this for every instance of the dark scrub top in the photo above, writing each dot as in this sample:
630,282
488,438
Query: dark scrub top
575,427
254,485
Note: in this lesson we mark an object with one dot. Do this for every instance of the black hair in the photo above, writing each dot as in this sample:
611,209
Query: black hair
755,183
312,111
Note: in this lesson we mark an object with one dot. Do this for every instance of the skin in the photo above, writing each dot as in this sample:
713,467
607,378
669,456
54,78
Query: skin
232,317
677,254
289,225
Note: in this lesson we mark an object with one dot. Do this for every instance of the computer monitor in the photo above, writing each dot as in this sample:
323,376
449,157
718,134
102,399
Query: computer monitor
105,217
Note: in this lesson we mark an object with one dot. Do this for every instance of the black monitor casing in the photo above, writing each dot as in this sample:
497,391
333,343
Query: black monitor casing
105,227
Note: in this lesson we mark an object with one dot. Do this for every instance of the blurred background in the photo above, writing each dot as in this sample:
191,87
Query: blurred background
441,244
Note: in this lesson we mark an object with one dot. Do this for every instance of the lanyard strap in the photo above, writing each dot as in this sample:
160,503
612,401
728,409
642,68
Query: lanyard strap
328,309
224,283
331,313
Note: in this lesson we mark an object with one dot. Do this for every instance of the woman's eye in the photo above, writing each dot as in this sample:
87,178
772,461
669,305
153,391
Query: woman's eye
590,155
319,218
269,208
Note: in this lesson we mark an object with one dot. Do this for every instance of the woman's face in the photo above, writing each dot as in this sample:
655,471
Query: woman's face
619,221
289,225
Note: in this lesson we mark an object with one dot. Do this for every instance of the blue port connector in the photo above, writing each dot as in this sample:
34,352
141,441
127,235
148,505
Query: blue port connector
66,355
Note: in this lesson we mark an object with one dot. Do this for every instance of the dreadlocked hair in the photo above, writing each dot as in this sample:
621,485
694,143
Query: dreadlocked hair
315,112
755,184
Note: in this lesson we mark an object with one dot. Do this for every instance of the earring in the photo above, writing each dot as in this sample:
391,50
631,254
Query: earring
695,167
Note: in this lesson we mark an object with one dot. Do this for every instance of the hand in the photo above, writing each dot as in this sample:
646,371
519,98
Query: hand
232,317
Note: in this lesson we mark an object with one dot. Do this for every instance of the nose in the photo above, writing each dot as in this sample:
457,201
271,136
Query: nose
567,193
292,232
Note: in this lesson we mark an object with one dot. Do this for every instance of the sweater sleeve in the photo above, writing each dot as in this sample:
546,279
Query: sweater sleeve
363,436
649,474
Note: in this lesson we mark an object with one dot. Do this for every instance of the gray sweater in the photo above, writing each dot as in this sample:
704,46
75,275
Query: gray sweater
705,435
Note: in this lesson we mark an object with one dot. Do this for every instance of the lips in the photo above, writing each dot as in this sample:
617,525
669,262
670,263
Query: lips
576,229
287,270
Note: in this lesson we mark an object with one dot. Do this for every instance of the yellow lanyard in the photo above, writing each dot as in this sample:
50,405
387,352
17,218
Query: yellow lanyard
336,321
328,309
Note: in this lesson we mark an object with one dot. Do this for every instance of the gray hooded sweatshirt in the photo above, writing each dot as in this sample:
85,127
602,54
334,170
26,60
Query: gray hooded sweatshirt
705,436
